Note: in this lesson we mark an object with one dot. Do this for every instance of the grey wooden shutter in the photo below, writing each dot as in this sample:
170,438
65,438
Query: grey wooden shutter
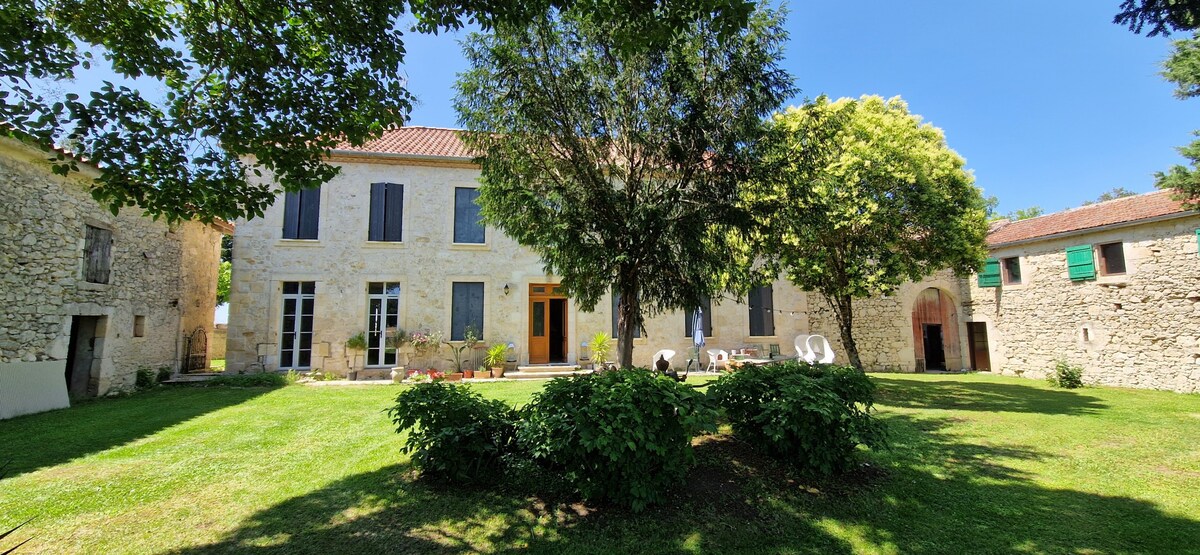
394,212
616,299
705,319
467,226
310,212
97,249
291,215
762,317
466,309
378,205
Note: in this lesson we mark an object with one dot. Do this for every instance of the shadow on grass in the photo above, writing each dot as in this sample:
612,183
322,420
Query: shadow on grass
932,493
963,394
51,438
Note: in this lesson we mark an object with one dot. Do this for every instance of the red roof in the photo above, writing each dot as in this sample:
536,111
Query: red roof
414,141
1122,210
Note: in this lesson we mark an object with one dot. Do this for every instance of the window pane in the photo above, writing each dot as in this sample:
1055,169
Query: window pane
308,287
539,319
374,288
290,287
393,289
1114,258
1012,269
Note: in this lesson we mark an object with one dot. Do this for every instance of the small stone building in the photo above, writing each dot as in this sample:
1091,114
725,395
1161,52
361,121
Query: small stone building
89,297
1112,287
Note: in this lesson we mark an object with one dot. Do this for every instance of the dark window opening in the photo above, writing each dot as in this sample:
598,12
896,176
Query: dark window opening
139,326
762,311
468,224
705,319
387,212
466,310
1012,271
301,213
1112,259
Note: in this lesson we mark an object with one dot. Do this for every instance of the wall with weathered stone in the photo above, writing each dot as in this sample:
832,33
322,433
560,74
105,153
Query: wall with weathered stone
341,262
157,271
1143,326
883,330
216,344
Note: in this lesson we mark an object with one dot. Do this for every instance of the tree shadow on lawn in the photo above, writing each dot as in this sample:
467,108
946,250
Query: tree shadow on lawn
933,493
51,438
963,394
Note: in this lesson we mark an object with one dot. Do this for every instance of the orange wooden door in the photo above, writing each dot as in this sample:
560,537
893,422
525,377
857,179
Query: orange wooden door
539,340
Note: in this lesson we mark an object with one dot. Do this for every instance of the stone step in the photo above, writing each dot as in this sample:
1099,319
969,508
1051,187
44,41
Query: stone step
548,368
543,375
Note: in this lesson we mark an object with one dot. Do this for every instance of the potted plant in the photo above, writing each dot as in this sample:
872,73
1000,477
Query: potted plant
356,344
424,343
482,373
470,338
601,343
494,359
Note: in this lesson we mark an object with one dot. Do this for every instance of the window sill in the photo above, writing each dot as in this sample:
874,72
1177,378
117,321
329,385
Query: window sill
298,243
1020,285
1113,279
384,244
470,247
89,286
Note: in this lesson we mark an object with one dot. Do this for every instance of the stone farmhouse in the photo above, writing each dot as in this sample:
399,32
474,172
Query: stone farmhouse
395,242
1113,287
89,297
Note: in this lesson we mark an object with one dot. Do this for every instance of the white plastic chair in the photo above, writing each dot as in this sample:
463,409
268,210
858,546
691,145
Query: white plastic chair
802,349
666,353
821,349
716,360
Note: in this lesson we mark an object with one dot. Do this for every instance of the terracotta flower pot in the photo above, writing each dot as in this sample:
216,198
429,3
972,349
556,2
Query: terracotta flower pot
469,374
497,371
454,377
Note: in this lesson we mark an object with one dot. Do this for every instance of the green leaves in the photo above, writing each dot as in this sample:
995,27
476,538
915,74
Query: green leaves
623,435
813,416
617,162
855,197
453,432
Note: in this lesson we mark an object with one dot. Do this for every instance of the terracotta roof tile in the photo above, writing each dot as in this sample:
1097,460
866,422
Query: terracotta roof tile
416,141
1122,210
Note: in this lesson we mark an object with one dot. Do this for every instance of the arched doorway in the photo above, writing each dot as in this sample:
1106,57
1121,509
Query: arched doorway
935,331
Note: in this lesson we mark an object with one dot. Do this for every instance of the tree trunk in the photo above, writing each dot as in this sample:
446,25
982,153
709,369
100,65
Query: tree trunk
629,317
843,308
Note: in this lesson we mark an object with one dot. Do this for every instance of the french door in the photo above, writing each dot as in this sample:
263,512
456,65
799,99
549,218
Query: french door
296,330
383,319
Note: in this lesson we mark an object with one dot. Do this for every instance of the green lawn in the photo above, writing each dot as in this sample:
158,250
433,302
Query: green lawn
979,464
216,365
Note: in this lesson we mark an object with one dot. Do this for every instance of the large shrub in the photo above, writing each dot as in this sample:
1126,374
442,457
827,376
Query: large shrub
453,432
623,435
813,416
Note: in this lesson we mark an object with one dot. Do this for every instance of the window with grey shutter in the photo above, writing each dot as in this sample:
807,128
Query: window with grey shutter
762,311
468,227
466,309
705,318
301,213
387,212
97,254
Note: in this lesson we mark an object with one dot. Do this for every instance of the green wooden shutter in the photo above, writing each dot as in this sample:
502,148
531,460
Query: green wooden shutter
990,276
1080,265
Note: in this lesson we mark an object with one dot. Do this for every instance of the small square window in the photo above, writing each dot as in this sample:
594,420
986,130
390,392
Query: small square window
1012,271
1112,259
139,326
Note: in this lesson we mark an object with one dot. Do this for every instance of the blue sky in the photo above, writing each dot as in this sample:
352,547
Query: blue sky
1050,103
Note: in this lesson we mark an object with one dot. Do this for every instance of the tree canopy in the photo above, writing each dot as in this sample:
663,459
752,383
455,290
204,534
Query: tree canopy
246,85
1182,67
620,167
1111,194
855,197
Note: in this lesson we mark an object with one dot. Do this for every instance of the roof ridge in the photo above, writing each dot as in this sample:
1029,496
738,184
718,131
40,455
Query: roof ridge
426,127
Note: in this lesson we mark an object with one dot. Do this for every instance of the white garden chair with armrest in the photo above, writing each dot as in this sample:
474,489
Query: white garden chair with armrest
821,349
717,360
802,349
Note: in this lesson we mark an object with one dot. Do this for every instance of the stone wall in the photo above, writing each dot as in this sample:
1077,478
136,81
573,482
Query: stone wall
341,262
1143,327
883,330
158,271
